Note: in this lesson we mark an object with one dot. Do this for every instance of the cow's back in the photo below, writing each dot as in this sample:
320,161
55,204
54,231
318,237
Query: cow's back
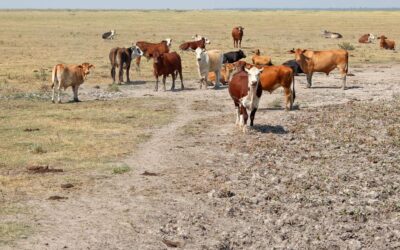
215,60
173,59
327,60
273,77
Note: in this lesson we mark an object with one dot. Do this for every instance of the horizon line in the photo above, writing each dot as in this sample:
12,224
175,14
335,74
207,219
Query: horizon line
201,9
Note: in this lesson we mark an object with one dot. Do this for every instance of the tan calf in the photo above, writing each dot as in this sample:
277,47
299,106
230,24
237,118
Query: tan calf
258,59
64,76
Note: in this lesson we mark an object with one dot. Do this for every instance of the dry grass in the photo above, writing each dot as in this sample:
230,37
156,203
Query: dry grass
82,139
34,41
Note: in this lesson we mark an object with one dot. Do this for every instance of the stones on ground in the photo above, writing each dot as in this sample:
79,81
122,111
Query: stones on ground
42,169
57,198
67,185
146,173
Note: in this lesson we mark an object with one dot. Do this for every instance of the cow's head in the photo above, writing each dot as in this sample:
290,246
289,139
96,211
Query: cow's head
206,40
136,52
157,57
240,28
86,69
200,54
254,76
299,55
383,37
241,54
169,42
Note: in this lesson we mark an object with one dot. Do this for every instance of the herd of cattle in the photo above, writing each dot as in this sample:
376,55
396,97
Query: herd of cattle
246,81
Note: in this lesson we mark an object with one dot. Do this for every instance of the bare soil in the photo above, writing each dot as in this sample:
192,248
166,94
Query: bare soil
324,176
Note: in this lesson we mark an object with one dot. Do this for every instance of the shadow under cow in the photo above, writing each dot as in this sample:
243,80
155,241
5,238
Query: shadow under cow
266,129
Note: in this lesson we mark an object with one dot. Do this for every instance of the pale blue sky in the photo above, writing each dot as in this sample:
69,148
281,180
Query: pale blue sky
196,4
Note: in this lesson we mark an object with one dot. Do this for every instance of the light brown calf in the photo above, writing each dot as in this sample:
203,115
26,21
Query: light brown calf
226,72
386,43
258,59
64,76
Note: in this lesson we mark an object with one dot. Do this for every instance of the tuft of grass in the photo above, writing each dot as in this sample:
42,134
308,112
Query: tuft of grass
276,103
113,88
10,231
121,169
346,46
37,149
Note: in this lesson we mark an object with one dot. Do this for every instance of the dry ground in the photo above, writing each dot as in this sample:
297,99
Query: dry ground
148,167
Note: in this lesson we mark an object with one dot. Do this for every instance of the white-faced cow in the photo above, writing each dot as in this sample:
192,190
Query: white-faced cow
121,58
366,38
209,61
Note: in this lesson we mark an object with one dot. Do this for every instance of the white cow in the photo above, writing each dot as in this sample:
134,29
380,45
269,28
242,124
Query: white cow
209,61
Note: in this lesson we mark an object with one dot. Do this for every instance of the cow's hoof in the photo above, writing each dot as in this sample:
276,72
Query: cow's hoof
53,101
308,86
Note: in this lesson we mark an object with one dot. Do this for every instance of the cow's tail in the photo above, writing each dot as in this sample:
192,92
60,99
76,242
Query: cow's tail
293,88
53,76
347,63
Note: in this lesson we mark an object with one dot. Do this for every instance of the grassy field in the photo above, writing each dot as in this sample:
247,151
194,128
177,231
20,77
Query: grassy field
31,42
88,140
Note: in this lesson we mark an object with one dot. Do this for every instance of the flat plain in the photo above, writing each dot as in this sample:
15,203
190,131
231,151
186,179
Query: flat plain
154,169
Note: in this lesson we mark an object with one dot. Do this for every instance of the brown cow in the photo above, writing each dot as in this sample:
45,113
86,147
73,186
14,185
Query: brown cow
226,73
121,58
322,61
237,35
64,76
193,45
149,48
386,43
167,64
245,91
258,59
366,38
273,77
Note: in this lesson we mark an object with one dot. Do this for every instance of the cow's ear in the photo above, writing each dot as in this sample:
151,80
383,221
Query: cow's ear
291,51
303,51
260,70
92,66
80,66
247,70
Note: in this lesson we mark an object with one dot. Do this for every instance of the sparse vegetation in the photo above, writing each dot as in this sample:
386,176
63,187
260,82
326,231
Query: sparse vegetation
113,88
121,169
346,46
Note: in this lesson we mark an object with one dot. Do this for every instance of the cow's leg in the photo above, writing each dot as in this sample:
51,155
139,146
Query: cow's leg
252,115
217,79
59,91
121,74
164,78
237,108
75,90
206,80
173,80
137,65
245,118
113,74
156,88
54,90
309,80
288,99
344,76
181,77
240,43
128,80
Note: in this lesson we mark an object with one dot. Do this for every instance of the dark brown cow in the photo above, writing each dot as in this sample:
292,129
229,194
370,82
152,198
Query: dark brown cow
273,77
245,91
149,49
193,45
167,64
386,43
121,58
237,35
322,61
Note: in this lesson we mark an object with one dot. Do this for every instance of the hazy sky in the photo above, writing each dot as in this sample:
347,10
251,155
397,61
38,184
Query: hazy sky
196,4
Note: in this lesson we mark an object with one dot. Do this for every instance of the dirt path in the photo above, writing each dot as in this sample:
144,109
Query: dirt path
185,160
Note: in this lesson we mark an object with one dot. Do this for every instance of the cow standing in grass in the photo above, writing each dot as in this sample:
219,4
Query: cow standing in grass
64,76
209,61
325,61
237,35
167,64
121,58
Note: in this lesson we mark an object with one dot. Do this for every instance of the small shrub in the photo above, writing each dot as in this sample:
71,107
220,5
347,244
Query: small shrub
121,169
276,103
41,74
113,88
346,46
37,149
